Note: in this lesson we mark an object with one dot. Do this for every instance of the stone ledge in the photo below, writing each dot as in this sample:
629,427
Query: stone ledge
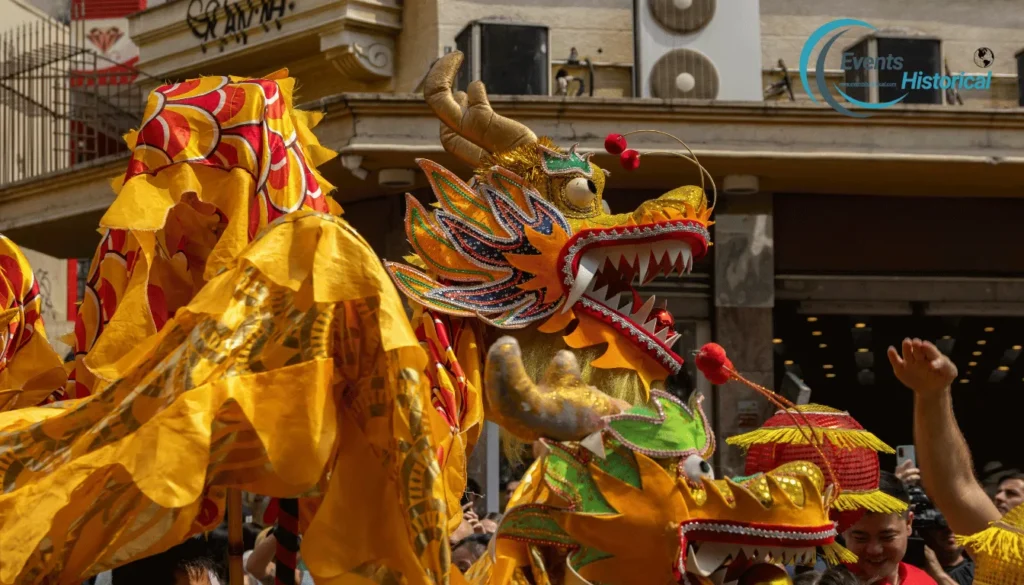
792,147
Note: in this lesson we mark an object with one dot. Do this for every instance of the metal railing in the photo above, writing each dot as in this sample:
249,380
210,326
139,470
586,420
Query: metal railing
62,104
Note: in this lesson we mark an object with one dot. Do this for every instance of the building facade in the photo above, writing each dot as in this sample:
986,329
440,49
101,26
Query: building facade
816,211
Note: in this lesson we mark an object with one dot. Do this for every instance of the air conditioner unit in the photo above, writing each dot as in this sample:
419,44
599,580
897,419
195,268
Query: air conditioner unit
510,58
701,49
1020,77
917,53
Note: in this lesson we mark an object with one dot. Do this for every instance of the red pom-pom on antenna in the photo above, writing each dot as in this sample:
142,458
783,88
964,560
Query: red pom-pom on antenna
630,159
615,143
714,364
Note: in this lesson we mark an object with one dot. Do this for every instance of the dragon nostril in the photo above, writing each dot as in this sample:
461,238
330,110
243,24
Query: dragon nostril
592,187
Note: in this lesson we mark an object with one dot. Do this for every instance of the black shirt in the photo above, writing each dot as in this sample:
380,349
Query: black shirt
963,573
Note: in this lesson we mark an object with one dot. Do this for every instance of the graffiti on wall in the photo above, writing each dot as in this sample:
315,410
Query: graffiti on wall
222,22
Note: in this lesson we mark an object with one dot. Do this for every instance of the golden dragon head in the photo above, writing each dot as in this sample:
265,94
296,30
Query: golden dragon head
528,247
637,502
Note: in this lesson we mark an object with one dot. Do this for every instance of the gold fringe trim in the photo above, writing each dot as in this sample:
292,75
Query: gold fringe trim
524,160
872,501
842,438
837,554
999,541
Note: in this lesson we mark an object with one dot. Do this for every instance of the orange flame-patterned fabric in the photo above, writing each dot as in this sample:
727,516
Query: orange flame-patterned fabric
215,160
30,370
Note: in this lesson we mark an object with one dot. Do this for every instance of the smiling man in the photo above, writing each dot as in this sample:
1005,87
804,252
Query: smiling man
880,541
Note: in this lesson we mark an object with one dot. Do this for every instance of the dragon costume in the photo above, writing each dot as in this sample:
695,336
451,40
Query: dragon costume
527,249
238,334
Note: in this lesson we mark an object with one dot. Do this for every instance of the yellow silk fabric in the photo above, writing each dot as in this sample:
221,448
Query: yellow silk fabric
295,367
30,370
215,160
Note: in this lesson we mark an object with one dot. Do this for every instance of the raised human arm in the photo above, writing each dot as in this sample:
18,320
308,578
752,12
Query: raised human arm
947,473
935,570
261,557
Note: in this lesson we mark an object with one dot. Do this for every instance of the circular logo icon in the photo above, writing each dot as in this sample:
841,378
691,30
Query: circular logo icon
836,29
984,57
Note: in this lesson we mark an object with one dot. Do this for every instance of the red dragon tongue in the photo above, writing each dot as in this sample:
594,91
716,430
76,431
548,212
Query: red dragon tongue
637,302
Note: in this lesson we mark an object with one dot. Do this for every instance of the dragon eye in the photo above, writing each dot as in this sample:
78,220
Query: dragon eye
581,192
695,468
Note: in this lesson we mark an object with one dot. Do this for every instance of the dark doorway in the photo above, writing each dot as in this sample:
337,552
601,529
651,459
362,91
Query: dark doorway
843,359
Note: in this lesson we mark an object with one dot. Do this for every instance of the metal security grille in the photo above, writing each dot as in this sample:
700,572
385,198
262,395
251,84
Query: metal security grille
61,103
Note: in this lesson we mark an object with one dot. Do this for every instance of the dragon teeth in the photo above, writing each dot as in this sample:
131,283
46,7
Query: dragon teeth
641,314
644,260
708,558
614,301
589,264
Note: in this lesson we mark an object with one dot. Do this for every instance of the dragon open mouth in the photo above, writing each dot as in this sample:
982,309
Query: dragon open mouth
779,518
601,266
745,547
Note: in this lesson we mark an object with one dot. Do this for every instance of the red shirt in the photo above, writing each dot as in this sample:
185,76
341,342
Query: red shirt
911,575
908,575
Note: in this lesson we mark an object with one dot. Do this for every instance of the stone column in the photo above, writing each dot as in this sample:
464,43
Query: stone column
484,467
744,293
396,246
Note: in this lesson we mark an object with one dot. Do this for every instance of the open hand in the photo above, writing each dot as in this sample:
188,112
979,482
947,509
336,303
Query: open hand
922,367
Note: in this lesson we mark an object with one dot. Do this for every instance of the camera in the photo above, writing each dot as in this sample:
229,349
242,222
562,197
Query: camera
926,515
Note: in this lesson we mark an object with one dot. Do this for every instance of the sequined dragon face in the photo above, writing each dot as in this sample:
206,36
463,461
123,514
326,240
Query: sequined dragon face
640,506
528,242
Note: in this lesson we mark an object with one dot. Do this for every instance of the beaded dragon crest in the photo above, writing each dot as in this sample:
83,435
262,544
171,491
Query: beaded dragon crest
528,247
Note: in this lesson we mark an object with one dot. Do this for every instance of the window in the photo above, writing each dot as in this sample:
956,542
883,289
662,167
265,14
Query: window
882,64
511,59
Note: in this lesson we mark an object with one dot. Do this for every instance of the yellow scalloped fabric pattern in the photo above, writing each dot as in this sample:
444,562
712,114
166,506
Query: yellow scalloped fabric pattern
292,371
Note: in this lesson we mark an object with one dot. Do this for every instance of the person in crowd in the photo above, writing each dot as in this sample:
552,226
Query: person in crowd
992,473
1010,492
260,564
510,490
469,549
944,459
490,523
473,495
880,542
839,575
189,563
471,525
944,559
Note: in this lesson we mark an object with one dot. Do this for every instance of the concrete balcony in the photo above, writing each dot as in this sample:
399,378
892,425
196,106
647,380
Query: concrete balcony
791,147
355,39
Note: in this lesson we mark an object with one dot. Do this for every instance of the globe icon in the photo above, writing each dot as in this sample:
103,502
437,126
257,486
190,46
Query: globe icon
984,57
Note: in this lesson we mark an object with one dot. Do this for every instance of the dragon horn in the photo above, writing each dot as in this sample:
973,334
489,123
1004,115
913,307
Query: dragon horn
472,121
464,150
563,407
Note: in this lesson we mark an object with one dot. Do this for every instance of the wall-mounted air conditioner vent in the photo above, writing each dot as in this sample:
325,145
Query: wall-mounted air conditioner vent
700,49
